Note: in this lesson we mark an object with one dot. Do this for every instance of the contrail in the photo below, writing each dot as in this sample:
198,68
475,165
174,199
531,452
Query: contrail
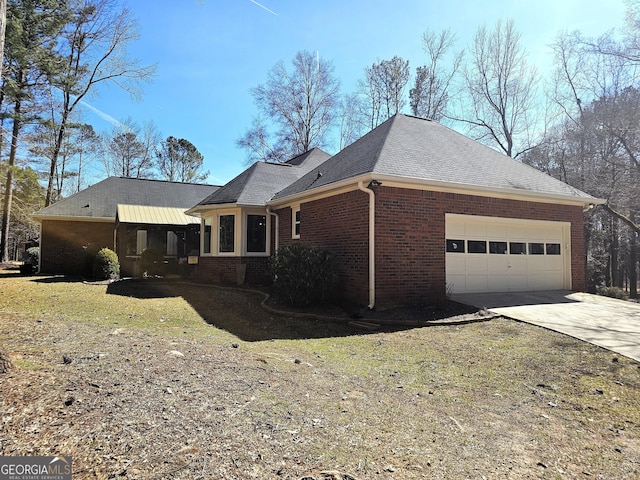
262,6
104,116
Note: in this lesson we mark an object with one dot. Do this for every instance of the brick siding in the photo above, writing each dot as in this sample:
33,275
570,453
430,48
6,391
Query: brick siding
65,245
410,230
339,224
223,270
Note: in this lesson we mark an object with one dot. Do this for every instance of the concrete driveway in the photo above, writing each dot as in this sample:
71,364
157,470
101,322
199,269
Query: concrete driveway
606,322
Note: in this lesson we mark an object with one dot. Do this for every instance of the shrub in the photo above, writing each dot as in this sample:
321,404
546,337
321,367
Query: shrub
152,261
31,259
106,265
303,275
613,292
32,256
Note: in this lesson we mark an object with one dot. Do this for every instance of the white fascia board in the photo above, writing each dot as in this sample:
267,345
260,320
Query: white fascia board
421,184
41,218
198,210
511,194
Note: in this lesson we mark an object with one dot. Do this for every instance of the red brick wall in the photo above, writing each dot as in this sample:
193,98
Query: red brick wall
341,225
64,244
410,229
222,270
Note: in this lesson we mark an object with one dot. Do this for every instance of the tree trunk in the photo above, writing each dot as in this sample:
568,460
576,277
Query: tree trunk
8,194
633,262
614,253
56,153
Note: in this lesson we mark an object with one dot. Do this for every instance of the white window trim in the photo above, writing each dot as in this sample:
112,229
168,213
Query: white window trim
240,232
236,229
295,209
245,225
202,228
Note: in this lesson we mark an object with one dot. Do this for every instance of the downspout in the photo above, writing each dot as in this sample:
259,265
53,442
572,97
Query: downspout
372,245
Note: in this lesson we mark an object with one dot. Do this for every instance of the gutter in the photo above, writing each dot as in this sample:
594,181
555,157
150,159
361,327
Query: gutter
372,245
439,186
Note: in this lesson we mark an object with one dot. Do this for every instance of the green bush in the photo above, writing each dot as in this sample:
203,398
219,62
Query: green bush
613,292
303,275
106,265
31,256
30,259
152,261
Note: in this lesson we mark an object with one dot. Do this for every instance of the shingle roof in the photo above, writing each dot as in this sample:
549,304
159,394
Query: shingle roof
418,149
100,201
261,181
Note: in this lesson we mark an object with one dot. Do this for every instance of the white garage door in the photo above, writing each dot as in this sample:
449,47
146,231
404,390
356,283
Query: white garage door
488,254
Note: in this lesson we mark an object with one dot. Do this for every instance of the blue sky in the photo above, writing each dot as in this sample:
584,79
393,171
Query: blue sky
210,53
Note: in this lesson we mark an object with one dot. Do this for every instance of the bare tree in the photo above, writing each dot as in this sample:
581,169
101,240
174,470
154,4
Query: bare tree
94,49
384,87
300,104
126,153
501,89
431,92
351,120
595,146
371,91
180,161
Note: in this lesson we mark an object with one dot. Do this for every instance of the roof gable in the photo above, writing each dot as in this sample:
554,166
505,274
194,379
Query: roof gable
101,200
424,150
261,181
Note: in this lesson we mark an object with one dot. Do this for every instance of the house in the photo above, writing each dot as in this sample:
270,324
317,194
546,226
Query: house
412,211
127,215
239,233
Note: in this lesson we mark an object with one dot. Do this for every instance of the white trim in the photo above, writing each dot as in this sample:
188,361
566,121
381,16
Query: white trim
202,230
41,218
237,243
432,185
245,231
295,208
240,231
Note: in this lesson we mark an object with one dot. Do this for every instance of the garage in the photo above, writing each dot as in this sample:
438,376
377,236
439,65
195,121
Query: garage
491,254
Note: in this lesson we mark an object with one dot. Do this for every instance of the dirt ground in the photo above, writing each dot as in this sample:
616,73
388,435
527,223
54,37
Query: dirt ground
301,399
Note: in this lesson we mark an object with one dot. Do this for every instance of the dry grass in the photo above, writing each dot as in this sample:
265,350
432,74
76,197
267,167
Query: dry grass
181,381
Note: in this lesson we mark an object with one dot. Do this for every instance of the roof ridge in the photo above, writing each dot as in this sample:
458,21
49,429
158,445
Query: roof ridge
159,180
392,122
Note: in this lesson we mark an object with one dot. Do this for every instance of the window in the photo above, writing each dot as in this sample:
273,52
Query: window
499,248
295,222
226,234
206,236
536,249
256,233
553,249
456,246
172,243
477,246
517,248
141,241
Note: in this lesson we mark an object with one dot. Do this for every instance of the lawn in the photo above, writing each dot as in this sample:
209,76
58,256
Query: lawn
171,380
